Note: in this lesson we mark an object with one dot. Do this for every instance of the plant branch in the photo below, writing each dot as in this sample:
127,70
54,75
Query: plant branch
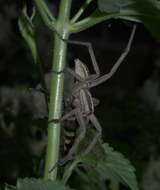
93,19
80,11
69,170
45,13
27,29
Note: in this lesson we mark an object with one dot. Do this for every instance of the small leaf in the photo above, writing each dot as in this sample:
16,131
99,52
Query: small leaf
39,184
28,31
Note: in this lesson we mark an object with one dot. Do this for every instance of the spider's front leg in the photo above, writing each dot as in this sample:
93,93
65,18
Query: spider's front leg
118,62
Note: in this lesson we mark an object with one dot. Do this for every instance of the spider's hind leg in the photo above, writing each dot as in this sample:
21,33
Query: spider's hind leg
79,138
91,145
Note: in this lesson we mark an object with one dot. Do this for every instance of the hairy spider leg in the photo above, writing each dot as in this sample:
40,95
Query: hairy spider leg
81,136
94,79
118,62
91,145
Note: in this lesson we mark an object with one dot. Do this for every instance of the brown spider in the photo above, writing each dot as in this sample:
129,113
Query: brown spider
81,100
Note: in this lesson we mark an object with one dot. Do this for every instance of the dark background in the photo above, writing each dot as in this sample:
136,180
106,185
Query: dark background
129,101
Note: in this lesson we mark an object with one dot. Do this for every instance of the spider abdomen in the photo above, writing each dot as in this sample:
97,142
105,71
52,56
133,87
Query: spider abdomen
69,132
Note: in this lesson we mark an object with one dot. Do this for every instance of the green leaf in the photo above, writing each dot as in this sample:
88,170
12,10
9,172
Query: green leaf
145,11
113,167
115,6
39,184
118,167
92,179
28,31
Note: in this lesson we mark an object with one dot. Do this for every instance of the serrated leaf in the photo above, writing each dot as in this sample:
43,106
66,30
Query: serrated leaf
40,184
93,180
118,167
114,166
27,31
145,11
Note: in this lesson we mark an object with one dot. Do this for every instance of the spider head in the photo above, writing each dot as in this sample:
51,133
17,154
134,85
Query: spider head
81,69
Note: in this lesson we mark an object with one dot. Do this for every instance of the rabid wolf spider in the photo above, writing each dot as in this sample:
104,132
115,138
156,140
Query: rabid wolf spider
81,100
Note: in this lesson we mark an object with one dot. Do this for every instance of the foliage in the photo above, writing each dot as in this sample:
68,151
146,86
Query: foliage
108,164
37,184
111,165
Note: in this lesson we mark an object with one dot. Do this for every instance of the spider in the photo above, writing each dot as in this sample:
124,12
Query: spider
81,100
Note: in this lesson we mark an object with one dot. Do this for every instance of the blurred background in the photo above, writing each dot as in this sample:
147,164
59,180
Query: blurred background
129,108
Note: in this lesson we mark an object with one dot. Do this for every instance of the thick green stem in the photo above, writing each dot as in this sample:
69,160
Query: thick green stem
57,80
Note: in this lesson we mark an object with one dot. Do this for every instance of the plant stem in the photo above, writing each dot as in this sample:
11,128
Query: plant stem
80,11
69,171
57,80
44,11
